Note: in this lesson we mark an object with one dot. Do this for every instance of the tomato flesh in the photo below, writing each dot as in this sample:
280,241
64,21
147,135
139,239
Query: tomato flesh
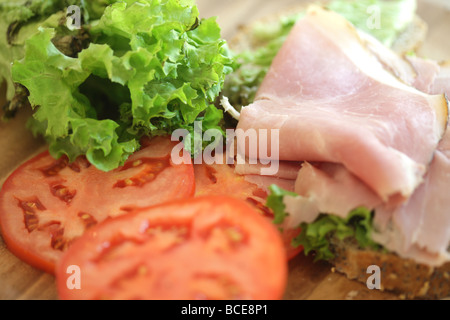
221,179
46,204
208,247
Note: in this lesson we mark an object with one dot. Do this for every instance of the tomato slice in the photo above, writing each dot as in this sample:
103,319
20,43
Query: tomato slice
221,179
46,203
208,247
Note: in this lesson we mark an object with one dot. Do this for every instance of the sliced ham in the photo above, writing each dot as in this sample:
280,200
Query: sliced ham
442,82
420,228
411,70
264,182
327,188
286,169
399,67
333,101
346,106
427,71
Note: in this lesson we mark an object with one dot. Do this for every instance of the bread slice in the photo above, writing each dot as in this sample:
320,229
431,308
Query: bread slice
410,39
405,277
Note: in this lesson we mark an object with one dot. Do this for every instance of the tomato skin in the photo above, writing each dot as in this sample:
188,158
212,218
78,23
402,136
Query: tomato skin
208,247
45,203
22,252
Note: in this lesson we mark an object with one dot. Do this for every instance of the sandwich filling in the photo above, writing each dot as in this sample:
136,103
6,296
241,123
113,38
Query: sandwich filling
371,136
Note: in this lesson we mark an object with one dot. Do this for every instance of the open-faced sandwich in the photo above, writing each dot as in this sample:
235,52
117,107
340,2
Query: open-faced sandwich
354,170
367,118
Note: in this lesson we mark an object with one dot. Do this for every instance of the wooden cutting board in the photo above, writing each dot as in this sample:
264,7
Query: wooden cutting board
307,280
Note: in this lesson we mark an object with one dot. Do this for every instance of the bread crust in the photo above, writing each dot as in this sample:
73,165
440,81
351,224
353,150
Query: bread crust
405,277
410,39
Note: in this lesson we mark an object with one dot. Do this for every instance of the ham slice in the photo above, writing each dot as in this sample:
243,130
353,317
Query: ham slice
427,72
327,188
442,82
253,172
286,169
399,67
333,101
411,70
420,228
264,182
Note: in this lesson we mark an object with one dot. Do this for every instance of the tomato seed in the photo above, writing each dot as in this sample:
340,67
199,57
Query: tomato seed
89,220
62,193
234,234
137,163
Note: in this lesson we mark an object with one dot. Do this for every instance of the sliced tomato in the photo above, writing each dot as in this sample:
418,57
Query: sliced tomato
46,203
221,179
200,248
288,235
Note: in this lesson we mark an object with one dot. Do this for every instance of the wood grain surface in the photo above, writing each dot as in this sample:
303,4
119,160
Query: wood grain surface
307,280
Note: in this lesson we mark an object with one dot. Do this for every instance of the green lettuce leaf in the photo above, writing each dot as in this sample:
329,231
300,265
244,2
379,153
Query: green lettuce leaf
315,236
275,202
152,66
253,64
382,19
21,20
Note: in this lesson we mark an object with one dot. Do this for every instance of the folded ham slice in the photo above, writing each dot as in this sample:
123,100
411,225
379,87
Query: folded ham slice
327,188
442,82
286,169
333,101
284,178
264,182
427,73
418,229
411,70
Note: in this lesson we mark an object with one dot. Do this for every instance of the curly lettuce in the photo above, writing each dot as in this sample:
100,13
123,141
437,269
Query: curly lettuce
315,236
21,19
382,19
275,202
253,64
152,66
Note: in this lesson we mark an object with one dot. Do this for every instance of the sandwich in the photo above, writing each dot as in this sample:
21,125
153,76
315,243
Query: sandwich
100,89
343,98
